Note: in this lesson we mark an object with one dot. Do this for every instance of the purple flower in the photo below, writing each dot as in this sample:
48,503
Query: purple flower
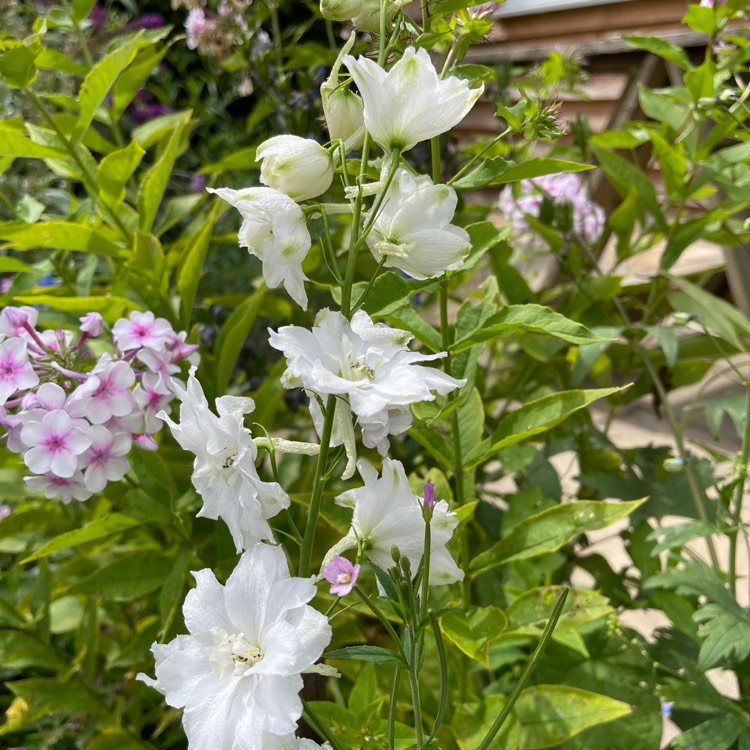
429,495
341,574
147,21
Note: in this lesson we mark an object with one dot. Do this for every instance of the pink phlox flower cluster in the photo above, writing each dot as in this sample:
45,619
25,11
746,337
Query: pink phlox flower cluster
216,32
74,417
562,188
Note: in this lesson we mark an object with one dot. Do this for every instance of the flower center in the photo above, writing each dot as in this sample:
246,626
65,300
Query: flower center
356,368
344,578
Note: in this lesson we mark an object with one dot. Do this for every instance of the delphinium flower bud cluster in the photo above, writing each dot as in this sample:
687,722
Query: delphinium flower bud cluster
558,200
72,416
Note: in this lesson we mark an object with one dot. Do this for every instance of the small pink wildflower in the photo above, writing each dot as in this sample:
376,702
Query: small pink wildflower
342,574
429,495
104,460
65,488
92,323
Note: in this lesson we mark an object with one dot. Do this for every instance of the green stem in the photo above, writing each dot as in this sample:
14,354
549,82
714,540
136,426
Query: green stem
739,495
443,664
319,726
278,47
416,702
392,709
367,289
383,619
426,570
305,557
478,156
425,16
526,674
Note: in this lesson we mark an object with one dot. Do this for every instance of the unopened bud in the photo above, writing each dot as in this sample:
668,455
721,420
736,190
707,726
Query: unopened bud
340,10
92,323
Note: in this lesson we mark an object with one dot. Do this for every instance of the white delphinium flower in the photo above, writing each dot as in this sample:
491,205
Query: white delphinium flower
237,673
299,167
224,472
413,232
368,363
409,103
274,230
388,514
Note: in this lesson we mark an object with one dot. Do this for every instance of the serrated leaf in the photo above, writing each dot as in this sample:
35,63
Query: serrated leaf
725,634
101,527
532,419
472,632
719,733
551,714
528,318
375,654
549,530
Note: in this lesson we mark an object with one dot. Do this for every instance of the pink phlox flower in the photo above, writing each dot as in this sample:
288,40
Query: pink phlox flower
5,511
64,488
16,372
92,323
341,574
142,329
146,443
14,319
54,444
153,395
196,25
107,392
161,362
103,461
181,350
132,423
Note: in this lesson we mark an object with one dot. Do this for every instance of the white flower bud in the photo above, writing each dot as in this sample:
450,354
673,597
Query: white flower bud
299,167
344,113
340,10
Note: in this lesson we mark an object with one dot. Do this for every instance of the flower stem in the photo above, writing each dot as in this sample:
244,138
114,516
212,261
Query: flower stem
416,701
383,619
739,494
319,726
392,709
526,674
305,556
443,664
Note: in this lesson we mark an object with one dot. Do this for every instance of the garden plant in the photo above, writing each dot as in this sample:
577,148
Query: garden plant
301,450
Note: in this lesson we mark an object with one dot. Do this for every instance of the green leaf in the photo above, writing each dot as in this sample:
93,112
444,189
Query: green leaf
529,318
61,235
243,159
626,176
81,9
472,632
471,723
549,530
115,170
499,171
661,48
529,613
390,291
17,64
155,182
117,739
99,528
551,714
484,235
99,81
130,576
723,319
725,633
13,142
719,733
133,79
20,650
111,308
532,419
232,337
658,106
435,444
13,265
52,59
668,342
374,654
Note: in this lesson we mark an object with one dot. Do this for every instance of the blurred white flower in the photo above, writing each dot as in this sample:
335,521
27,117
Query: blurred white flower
274,230
224,472
413,230
299,167
237,673
409,103
388,514
368,363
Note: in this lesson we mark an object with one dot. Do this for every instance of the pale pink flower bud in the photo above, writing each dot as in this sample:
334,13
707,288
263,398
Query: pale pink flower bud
92,323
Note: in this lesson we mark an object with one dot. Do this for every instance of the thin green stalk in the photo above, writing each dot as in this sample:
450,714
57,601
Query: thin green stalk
478,156
328,254
383,619
426,570
88,179
278,46
305,557
319,726
392,709
739,494
367,289
425,16
526,674
416,702
443,664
